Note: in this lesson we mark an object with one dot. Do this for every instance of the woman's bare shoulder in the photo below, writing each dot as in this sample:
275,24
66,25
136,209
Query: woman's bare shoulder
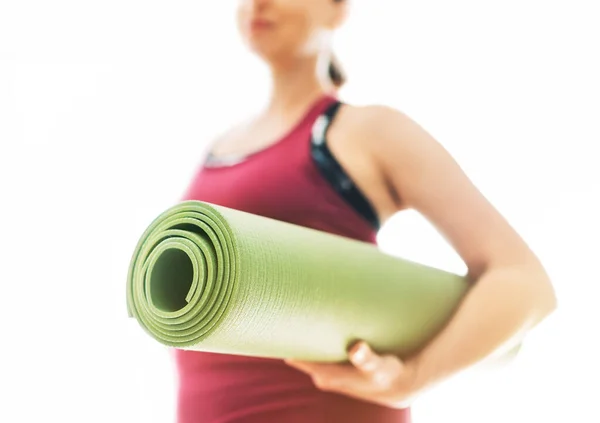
374,124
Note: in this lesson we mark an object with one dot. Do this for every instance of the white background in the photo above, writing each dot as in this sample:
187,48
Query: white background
106,107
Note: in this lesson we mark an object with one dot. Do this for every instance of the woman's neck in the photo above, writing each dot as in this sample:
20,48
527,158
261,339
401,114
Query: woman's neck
295,85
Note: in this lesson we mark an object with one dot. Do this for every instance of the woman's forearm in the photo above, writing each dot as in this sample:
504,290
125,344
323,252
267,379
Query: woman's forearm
502,305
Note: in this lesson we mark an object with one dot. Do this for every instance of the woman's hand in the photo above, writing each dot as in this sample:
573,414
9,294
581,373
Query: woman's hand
381,379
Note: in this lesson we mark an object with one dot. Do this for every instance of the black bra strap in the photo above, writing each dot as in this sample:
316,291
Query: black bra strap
331,169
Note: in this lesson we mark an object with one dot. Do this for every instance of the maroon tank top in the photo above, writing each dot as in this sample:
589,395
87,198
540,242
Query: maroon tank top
280,182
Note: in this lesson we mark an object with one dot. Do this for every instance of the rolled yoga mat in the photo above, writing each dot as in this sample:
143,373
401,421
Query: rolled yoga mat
209,278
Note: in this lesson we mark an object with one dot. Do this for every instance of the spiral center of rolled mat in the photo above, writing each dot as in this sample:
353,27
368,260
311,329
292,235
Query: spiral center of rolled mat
183,274
171,280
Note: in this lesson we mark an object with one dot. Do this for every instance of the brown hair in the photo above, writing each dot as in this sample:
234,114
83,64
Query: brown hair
336,73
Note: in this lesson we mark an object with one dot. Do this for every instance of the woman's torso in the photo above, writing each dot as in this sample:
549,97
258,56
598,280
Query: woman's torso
281,181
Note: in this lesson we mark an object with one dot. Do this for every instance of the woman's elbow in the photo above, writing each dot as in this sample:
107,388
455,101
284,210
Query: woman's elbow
544,300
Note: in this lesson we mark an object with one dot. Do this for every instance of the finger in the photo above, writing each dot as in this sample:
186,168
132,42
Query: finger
328,369
364,358
303,366
330,376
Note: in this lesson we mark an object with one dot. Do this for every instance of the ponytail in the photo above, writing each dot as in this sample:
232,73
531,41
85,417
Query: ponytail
335,72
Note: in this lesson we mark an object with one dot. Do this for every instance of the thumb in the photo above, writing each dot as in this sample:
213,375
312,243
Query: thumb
364,358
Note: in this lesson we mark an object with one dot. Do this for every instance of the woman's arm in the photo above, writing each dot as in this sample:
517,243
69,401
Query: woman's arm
511,291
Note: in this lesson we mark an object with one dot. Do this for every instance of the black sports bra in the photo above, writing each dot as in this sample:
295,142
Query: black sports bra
332,170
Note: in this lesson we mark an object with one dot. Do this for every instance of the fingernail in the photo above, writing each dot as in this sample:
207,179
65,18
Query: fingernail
361,352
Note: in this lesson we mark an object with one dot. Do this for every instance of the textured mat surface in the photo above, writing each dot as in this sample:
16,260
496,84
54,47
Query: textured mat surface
208,278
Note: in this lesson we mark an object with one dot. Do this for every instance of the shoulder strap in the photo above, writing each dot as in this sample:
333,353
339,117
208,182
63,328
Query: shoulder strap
331,169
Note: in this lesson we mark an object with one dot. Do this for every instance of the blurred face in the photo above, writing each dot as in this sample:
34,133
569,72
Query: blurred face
284,28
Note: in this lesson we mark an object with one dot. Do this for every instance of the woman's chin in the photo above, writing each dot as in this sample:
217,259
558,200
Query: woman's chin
264,52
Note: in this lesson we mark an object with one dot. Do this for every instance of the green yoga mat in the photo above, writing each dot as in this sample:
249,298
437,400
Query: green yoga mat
208,278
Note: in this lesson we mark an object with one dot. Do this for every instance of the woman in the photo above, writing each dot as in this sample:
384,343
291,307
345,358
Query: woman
312,161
